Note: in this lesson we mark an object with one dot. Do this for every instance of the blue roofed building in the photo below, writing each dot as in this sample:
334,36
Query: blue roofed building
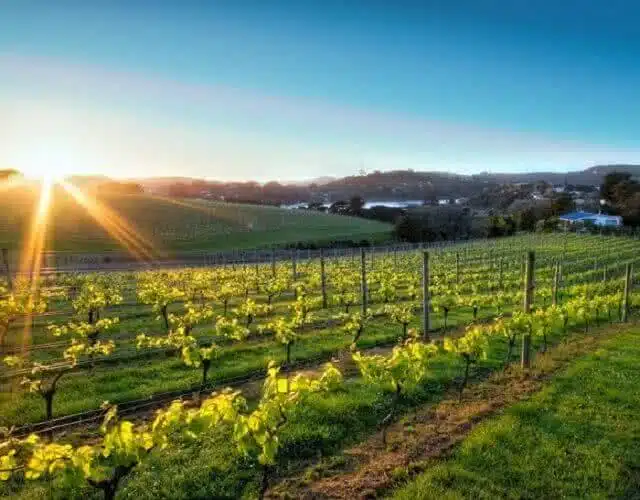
589,217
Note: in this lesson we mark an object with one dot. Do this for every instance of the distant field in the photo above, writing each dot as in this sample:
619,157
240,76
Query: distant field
176,225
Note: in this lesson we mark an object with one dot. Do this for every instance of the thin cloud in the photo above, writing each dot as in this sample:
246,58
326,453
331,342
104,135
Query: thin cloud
160,124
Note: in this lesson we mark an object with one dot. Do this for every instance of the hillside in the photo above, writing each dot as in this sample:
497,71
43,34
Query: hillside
590,176
444,184
173,224
391,185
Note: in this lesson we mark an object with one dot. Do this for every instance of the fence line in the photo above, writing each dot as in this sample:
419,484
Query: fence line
61,262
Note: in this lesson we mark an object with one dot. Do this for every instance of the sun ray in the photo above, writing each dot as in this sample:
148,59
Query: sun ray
31,260
113,223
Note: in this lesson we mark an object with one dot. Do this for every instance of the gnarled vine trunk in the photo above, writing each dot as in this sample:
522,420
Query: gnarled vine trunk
387,419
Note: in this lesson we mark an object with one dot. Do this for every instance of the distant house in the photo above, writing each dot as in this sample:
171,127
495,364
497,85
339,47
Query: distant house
596,219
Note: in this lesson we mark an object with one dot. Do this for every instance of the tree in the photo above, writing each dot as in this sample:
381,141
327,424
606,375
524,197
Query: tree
562,204
408,229
356,204
501,226
548,225
610,183
527,220
630,210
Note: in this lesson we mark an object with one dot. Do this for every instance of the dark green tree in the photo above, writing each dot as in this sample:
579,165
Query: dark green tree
356,204
562,204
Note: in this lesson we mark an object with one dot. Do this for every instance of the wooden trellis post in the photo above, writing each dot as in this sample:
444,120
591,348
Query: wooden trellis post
556,282
363,278
525,359
323,280
273,263
627,291
294,269
426,324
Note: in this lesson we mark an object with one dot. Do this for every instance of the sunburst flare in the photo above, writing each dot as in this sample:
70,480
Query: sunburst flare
117,227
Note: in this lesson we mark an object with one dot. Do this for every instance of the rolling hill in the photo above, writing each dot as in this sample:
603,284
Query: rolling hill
169,225
590,176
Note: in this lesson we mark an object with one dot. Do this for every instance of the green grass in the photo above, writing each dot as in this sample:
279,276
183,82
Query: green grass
128,380
578,438
172,225
325,425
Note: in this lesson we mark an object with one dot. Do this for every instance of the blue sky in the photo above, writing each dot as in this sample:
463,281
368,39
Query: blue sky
293,90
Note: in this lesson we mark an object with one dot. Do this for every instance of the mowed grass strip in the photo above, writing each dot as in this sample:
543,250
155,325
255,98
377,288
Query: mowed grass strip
578,438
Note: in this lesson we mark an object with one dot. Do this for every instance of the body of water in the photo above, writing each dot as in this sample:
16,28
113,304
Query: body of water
368,204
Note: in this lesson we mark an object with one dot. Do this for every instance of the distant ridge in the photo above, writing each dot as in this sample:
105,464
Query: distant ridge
590,176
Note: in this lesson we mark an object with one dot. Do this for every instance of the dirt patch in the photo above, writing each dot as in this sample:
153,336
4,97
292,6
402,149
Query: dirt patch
369,469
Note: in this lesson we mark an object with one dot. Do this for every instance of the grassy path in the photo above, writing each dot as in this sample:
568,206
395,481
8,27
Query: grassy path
577,438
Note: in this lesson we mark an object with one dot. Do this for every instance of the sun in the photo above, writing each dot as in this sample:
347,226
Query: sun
49,169
49,162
